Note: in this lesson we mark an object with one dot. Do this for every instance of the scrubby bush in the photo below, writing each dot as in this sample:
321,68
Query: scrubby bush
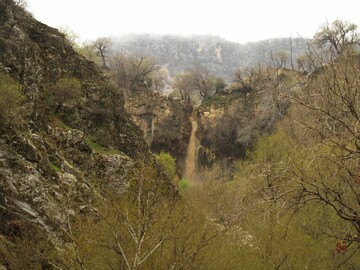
65,90
183,184
168,163
10,100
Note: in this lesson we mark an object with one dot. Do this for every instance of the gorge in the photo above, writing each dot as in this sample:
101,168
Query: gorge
99,169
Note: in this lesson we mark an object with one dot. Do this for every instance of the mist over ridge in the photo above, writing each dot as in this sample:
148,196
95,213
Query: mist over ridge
221,57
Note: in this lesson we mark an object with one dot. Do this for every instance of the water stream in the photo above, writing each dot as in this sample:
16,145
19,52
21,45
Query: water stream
190,160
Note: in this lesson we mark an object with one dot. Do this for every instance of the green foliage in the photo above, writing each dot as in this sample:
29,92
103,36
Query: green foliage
66,90
140,229
168,163
30,248
272,148
219,84
183,184
54,167
290,181
71,36
10,100
100,149
222,99
88,50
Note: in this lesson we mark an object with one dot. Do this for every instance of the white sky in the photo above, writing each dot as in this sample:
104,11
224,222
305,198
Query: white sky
239,21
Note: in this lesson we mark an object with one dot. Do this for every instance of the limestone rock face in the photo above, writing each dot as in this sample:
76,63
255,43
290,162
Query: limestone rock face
165,122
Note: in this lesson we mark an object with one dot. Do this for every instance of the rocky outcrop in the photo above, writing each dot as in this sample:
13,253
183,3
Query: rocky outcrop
231,121
165,121
50,163
38,56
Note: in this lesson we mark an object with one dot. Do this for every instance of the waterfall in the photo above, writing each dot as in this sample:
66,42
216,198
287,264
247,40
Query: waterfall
190,160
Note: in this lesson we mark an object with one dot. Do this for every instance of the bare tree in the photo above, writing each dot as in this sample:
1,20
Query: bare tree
103,45
184,83
197,79
306,63
203,82
70,35
131,71
338,36
280,59
140,68
88,50
328,43
244,78
159,79
119,69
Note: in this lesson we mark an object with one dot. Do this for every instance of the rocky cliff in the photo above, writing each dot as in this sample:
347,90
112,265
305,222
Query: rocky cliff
165,121
232,120
51,159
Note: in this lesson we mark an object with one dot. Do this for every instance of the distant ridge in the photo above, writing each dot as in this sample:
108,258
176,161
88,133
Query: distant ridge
219,56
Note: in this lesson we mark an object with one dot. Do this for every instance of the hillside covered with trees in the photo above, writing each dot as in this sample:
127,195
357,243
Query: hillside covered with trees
221,57
245,163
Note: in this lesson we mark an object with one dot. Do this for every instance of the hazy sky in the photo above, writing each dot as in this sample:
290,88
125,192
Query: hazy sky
240,20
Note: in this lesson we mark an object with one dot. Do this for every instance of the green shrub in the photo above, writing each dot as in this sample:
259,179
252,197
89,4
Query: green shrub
100,149
10,100
168,163
54,167
65,90
183,184
220,84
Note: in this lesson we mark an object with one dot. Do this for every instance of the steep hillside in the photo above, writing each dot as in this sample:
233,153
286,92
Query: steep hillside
58,145
219,56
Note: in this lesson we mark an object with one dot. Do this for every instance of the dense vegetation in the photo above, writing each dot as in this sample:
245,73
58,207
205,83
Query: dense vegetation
289,198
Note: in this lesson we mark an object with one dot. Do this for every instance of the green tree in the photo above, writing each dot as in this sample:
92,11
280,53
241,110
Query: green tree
220,84
314,164
168,163
65,90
